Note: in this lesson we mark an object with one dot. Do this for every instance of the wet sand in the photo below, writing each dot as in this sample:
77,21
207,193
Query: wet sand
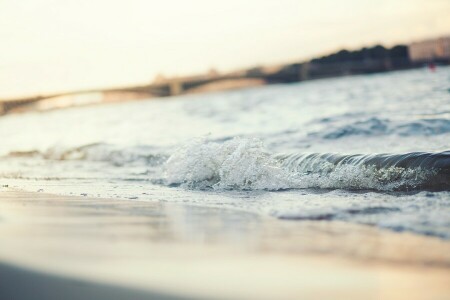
55,247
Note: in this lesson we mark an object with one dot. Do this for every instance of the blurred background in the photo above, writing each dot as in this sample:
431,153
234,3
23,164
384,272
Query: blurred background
50,47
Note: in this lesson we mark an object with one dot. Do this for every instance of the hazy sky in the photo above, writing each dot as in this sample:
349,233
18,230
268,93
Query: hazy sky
56,45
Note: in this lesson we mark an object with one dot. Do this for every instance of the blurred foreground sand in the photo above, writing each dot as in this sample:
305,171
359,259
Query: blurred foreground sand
77,247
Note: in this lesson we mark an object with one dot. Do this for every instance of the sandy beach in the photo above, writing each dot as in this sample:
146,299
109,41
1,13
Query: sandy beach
82,247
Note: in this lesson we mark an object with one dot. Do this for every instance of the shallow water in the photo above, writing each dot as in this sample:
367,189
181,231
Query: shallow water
370,149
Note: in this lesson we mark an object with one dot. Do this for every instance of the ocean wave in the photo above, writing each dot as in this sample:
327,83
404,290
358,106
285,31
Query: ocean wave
101,152
240,164
409,171
243,164
376,127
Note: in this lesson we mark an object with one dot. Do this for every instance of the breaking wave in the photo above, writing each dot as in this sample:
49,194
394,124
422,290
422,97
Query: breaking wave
240,164
243,164
410,171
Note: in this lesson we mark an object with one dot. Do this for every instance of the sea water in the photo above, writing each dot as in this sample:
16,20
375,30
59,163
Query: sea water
370,149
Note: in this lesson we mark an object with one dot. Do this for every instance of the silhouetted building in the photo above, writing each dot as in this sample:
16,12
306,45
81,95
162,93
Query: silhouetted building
362,61
430,50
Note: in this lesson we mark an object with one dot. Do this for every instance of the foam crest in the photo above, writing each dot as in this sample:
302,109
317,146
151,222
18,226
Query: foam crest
385,172
240,164
243,164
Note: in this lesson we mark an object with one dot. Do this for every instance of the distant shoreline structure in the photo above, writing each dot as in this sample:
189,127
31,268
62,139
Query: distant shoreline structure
375,59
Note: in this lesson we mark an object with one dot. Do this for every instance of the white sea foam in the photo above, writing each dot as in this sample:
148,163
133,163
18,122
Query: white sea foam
240,164
243,164
360,177
100,152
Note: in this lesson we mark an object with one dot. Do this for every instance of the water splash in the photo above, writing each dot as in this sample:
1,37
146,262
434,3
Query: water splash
244,164
240,164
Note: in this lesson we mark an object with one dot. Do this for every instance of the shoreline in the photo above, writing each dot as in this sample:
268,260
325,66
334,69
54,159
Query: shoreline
182,251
